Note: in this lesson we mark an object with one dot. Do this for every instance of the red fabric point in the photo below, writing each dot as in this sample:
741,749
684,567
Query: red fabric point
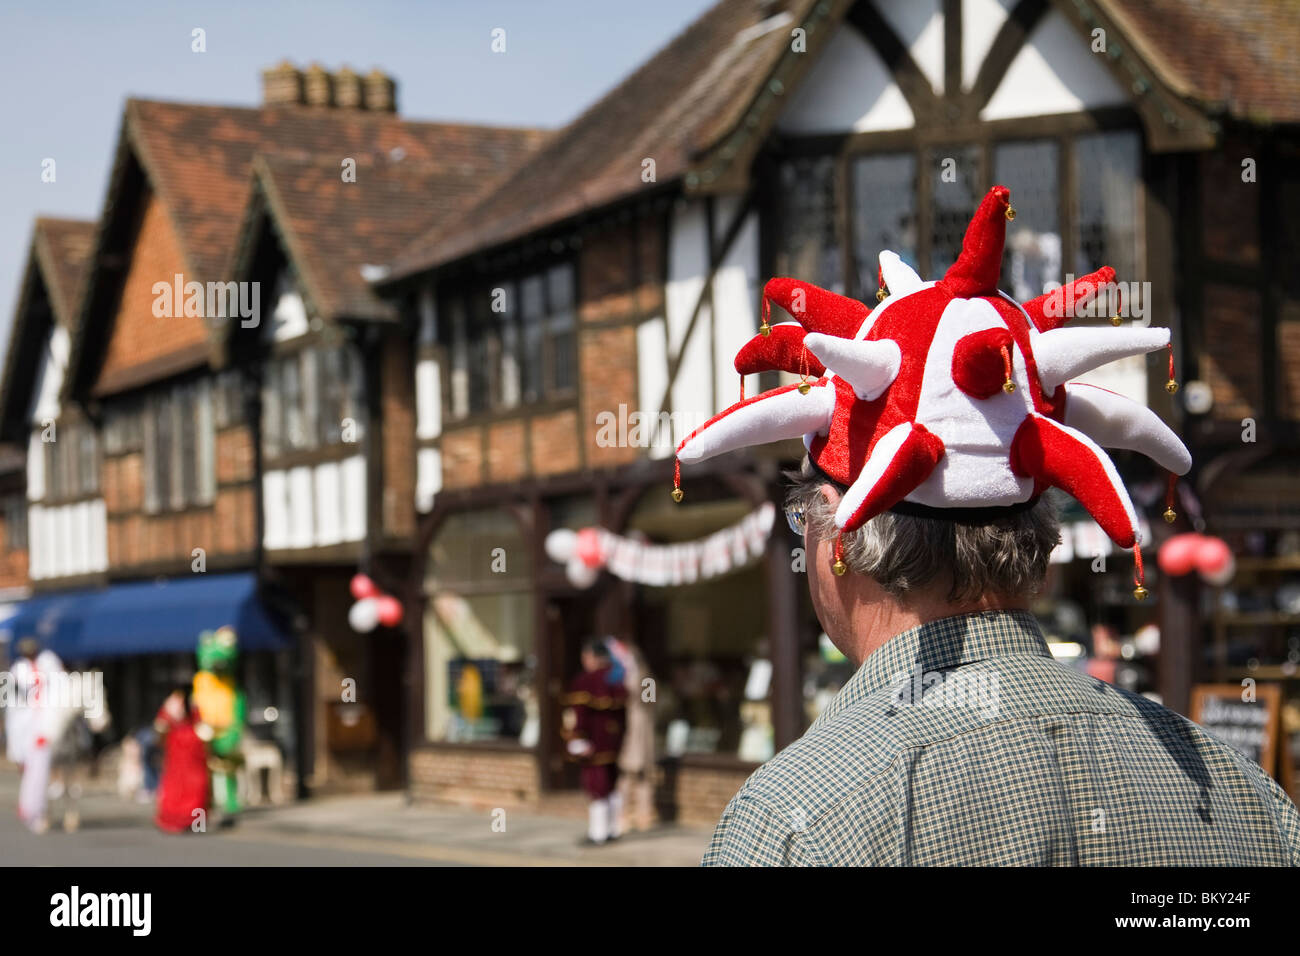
1045,451
911,465
1051,310
781,350
817,310
977,269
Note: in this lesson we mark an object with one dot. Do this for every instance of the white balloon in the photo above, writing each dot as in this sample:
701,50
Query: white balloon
1223,575
560,544
579,574
364,615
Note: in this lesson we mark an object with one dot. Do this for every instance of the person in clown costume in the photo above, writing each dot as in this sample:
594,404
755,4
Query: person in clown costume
221,706
935,421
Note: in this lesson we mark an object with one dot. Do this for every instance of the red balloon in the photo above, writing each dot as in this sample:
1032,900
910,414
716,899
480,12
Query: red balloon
1212,556
390,610
588,548
362,587
1177,556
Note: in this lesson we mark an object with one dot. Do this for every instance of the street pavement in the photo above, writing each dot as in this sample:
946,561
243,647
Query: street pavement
367,830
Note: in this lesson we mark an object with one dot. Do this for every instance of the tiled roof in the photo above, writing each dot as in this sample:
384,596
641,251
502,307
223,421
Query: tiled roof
1229,55
680,102
199,158
334,228
63,249
57,259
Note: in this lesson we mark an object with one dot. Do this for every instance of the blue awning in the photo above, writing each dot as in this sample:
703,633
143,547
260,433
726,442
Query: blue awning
149,617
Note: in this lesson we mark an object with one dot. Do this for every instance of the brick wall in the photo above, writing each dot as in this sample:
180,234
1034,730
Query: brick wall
1229,206
13,564
694,796
554,446
227,527
1231,361
397,398
620,281
476,777
235,458
462,458
139,336
506,455
608,363
1288,347
698,795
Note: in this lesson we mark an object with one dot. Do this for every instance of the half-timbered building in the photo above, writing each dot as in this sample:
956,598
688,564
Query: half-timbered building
616,273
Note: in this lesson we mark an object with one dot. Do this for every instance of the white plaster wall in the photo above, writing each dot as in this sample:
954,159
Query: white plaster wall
329,515
980,22
315,506
428,477
289,316
275,504
1054,72
352,487
688,265
735,300
848,89
301,509
67,539
428,399
919,24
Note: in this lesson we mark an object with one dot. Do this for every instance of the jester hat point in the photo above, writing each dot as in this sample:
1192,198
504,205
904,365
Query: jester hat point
949,394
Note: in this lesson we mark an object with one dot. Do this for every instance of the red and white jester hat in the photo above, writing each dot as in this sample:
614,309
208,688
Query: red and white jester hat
949,394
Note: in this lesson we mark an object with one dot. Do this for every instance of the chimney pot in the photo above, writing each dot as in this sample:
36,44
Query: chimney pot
381,92
282,85
318,86
347,90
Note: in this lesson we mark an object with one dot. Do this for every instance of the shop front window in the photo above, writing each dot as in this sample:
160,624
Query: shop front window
479,643
706,642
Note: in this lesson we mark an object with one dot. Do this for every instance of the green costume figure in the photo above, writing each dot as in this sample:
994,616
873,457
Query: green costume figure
222,708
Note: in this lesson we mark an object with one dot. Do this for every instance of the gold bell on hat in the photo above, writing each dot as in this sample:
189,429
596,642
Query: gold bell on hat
1116,321
678,495
1010,213
1140,593
1170,515
839,567
881,294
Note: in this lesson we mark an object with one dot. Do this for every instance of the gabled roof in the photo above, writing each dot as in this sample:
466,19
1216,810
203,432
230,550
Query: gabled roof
330,229
675,106
199,161
56,266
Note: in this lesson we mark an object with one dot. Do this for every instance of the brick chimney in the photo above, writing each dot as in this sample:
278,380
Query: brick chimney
318,86
381,92
282,85
286,85
347,90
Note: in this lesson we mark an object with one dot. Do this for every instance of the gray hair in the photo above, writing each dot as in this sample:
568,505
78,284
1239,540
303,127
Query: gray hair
1006,555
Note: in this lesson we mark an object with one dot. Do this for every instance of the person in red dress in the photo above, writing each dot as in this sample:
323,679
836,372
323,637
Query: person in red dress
184,785
594,720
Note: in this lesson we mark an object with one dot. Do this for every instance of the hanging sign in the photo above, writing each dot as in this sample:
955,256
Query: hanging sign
584,553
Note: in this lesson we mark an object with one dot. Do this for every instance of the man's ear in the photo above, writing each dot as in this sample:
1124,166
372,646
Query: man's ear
831,494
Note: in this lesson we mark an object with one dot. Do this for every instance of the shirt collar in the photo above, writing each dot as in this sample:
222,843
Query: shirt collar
948,642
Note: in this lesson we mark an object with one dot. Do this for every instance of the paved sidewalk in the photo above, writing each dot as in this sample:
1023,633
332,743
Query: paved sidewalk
367,829
386,823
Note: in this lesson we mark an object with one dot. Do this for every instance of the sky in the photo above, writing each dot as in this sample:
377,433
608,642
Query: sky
67,68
